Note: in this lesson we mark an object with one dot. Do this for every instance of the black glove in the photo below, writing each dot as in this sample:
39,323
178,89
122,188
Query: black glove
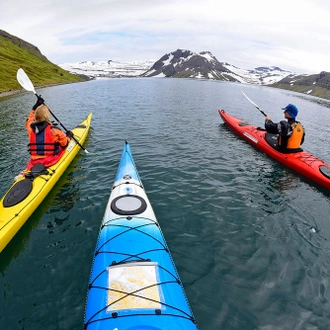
39,102
69,134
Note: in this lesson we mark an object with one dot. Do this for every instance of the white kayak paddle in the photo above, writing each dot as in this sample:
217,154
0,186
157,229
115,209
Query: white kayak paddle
255,105
26,83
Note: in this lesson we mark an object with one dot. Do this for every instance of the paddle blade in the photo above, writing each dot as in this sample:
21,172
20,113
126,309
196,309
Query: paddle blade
25,81
255,105
250,100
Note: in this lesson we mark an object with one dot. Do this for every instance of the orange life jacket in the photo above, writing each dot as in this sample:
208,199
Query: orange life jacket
42,142
296,136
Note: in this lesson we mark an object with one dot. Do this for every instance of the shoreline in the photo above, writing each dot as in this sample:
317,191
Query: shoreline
19,91
4,94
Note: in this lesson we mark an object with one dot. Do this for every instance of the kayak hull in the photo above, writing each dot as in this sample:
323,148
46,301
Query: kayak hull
302,162
13,215
134,283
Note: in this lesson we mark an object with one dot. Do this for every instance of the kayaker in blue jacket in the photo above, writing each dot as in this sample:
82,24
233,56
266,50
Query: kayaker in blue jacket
291,133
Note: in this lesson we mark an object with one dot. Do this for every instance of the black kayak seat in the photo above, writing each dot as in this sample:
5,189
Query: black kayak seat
81,126
244,123
272,140
36,170
17,193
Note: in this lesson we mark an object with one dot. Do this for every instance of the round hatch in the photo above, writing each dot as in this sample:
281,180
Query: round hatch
128,205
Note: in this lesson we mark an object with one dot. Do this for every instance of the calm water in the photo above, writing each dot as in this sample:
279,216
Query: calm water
250,238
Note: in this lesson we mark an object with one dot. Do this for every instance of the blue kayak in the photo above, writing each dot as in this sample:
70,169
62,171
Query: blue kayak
134,283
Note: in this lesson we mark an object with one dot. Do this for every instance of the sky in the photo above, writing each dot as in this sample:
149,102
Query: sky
291,34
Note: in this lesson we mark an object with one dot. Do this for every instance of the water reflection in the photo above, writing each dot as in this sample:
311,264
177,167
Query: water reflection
279,177
250,238
69,193
60,199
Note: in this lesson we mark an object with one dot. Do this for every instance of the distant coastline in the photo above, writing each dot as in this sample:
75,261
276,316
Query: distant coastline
19,91
4,94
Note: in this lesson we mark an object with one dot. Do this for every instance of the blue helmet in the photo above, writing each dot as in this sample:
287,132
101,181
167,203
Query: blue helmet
292,110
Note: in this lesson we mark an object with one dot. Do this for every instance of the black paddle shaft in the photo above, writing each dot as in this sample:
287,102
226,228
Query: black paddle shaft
64,126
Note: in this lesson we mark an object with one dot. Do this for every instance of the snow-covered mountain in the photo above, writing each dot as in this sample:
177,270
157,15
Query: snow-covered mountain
261,75
204,65
181,64
109,69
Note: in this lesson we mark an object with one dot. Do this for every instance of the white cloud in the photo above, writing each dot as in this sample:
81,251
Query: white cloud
290,34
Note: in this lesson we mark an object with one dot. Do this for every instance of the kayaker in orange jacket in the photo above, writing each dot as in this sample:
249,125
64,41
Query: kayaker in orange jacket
291,133
47,142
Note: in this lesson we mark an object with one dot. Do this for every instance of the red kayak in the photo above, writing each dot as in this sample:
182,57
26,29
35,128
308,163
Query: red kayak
301,161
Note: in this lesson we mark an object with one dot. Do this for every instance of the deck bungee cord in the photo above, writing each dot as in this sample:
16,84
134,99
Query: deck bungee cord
134,282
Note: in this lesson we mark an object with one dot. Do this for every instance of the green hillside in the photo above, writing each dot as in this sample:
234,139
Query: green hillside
16,53
315,85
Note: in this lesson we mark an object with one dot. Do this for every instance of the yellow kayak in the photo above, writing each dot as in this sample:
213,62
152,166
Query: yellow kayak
26,194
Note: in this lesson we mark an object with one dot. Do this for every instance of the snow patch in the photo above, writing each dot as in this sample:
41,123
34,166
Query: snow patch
260,76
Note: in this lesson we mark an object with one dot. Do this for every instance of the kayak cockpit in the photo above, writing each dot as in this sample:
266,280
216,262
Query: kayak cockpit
272,140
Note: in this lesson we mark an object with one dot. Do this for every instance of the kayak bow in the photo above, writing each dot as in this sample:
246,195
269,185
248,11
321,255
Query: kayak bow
26,194
302,162
134,283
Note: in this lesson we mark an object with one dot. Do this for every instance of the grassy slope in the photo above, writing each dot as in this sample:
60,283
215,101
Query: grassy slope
41,71
317,91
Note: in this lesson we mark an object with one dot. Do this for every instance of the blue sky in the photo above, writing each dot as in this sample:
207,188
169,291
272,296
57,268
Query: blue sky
291,34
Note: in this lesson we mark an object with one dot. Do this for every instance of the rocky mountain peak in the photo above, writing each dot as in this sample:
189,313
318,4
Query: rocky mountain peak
187,64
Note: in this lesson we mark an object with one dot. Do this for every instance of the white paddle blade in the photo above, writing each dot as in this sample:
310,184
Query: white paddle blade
250,101
25,81
255,105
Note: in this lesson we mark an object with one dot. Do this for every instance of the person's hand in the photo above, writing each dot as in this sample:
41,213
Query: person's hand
69,134
39,102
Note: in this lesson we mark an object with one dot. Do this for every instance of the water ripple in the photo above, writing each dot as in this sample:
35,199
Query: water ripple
250,238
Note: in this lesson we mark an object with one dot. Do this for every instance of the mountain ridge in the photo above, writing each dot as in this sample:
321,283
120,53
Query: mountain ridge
205,65
183,63
317,85
179,64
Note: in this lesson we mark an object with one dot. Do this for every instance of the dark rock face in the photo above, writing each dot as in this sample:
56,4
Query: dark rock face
186,64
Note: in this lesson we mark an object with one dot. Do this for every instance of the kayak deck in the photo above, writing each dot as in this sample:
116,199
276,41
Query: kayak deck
26,194
134,283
